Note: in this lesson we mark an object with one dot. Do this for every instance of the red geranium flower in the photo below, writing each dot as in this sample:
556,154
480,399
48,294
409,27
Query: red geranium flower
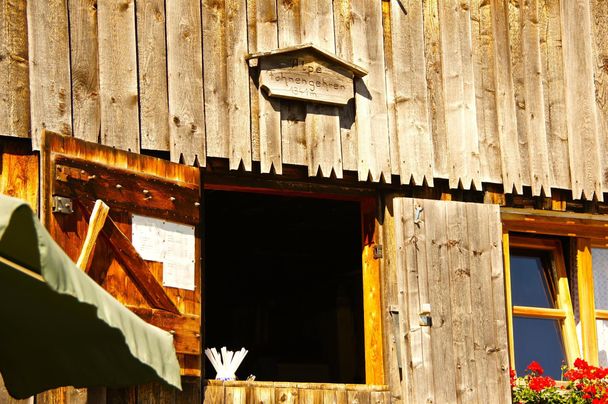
539,383
535,368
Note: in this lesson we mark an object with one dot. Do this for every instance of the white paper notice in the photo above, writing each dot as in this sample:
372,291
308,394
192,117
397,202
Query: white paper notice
170,243
147,237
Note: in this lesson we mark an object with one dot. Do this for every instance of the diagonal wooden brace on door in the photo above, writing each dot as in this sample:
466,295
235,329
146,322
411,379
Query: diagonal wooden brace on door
133,264
96,223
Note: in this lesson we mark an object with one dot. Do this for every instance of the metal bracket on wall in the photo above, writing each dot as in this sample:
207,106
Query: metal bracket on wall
62,205
378,253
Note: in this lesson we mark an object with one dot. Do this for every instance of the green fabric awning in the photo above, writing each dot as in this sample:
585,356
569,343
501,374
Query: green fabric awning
58,327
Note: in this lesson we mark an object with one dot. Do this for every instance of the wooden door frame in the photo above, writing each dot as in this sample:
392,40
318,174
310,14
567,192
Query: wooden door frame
370,261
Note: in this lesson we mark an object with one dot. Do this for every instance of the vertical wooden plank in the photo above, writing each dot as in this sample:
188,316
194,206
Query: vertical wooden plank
262,395
370,91
411,138
485,90
534,116
459,95
359,397
395,351
310,396
285,393
517,65
409,303
49,66
434,68
84,52
419,244
152,72
118,75
599,22
236,394
555,104
185,83
226,87
14,75
322,124
460,298
293,113
501,301
191,393
484,345
344,49
213,394
505,99
586,301
265,111
439,298
585,165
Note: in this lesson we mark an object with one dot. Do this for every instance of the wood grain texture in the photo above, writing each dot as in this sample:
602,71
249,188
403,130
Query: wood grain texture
459,95
322,124
49,67
485,91
599,23
439,290
19,171
366,35
582,125
293,114
118,75
448,255
14,70
535,129
265,111
555,103
84,54
226,93
410,133
69,232
152,74
185,83
505,99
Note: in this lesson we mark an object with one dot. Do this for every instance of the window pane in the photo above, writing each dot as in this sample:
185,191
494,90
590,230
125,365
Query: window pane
540,340
600,277
528,282
602,342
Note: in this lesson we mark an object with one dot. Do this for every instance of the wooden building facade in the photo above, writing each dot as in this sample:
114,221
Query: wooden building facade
469,124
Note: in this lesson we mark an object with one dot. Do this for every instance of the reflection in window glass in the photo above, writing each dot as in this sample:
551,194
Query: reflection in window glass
600,277
528,282
538,340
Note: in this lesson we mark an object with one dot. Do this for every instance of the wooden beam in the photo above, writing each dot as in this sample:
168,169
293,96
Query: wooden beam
96,223
372,295
539,312
586,300
127,189
135,266
508,296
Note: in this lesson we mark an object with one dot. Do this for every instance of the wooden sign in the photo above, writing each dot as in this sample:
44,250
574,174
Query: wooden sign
306,73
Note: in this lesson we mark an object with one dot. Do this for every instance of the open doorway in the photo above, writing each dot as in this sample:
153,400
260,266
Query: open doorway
283,279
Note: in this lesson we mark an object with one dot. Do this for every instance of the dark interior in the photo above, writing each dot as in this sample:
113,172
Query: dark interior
283,279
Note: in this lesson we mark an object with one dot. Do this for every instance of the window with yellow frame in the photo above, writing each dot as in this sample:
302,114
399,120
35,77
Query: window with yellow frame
542,320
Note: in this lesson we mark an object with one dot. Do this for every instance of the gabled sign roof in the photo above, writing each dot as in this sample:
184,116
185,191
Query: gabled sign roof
323,54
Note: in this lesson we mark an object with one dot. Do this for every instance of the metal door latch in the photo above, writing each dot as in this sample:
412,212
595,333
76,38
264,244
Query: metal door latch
62,205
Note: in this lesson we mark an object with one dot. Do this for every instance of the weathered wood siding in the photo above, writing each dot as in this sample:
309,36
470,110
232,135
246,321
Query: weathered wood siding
449,255
499,91
217,392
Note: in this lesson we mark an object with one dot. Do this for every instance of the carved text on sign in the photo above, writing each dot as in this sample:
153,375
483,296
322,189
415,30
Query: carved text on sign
306,74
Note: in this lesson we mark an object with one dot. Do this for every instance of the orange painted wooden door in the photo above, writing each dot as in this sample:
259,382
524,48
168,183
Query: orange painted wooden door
134,186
